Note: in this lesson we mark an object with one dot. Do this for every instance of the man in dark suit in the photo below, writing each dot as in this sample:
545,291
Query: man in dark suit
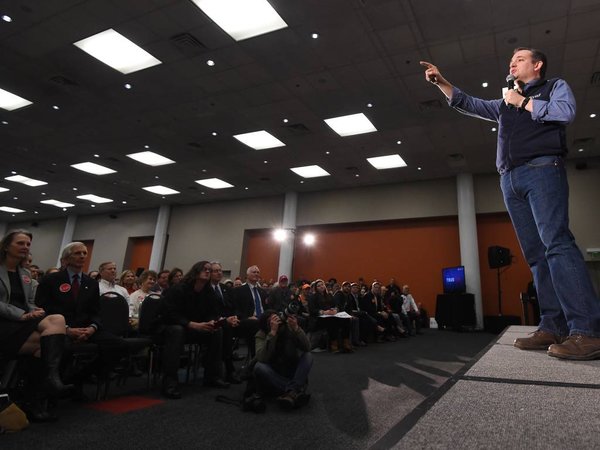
249,303
231,324
76,296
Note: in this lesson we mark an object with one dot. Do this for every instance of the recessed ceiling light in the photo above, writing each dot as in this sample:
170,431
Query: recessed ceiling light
301,181
92,205
246,188
265,161
387,161
369,105
242,19
3,189
25,180
6,18
214,183
4,122
308,239
494,129
13,172
94,198
74,188
124,202
214,133
204,171
419,168
55,107
351,124
150,158
484,84
57,203
146,146
116,51
210,62
10,101
127,86
8,209
96,155
259,140
310,171
357,175
160,190
93,168
592,115
398,142
35,212
580,150
327,153
315,35
285,120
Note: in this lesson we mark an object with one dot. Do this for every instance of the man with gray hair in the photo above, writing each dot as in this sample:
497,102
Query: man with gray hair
76,296
249,301
108,275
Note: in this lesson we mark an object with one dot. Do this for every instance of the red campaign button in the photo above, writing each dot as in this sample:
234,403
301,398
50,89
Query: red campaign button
65,287
26,279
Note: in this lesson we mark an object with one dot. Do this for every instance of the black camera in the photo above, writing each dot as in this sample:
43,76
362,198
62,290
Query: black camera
292,309
254,403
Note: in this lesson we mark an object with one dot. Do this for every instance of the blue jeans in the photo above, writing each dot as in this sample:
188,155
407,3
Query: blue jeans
268,381
536,195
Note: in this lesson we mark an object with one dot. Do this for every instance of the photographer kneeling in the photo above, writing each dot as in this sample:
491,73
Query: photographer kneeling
283,359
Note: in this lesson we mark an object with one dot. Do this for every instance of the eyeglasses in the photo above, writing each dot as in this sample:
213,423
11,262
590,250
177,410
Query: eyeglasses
208,269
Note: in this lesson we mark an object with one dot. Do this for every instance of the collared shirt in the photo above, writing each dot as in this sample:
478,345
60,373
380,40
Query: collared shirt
105,286
557,109
72,274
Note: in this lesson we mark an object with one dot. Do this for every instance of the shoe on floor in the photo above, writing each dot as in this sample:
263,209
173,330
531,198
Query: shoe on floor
287,401
539,340
171,390
577,347
216,383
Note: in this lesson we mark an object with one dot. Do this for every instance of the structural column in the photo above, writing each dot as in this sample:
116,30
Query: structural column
159,244
469,248
67,235
288,224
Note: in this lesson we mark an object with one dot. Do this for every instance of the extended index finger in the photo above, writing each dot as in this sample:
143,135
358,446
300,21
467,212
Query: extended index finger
426,64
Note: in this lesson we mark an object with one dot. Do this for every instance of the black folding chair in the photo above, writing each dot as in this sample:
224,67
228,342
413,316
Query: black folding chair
148,325
114,312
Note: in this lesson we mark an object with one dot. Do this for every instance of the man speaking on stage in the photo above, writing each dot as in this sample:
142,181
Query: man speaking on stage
532,119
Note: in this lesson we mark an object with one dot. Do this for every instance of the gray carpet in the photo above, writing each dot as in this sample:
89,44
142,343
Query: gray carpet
358,400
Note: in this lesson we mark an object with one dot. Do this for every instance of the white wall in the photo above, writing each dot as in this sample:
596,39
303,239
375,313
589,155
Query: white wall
215,231
47,235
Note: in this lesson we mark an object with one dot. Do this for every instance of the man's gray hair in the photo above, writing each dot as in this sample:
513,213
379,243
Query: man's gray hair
68,250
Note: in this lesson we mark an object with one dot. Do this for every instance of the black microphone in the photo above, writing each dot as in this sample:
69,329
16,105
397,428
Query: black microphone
510,81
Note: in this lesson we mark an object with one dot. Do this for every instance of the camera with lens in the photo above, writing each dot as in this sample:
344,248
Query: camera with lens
292,309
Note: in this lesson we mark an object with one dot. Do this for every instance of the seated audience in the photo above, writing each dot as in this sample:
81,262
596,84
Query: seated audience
283,360
322,310
146,281
108,275
412,311
249,304
28,330
76,296
175,276
191,315
280,295
372,303
127,279
162,282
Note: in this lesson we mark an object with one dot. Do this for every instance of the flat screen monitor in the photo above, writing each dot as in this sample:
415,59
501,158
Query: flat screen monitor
453,279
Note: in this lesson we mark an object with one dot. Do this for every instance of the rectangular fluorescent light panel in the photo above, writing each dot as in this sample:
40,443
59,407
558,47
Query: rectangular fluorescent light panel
150,158
93,168
242,19
57,203
351,124
3,189
214,183
94,198
8,209
117,51
387,162
259,140
25,180
310,171
10,101
161,190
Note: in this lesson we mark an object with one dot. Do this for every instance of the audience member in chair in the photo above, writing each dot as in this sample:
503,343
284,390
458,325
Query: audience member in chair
283,360
249,302
108,275
26,329
412,311
231,323
147,281
372,303
127,279
77,297
191,315
175,276
322,304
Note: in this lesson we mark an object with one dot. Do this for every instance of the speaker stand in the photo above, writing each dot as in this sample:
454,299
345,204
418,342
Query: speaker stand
499,292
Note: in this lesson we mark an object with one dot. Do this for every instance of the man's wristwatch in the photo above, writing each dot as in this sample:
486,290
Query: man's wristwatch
524,102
